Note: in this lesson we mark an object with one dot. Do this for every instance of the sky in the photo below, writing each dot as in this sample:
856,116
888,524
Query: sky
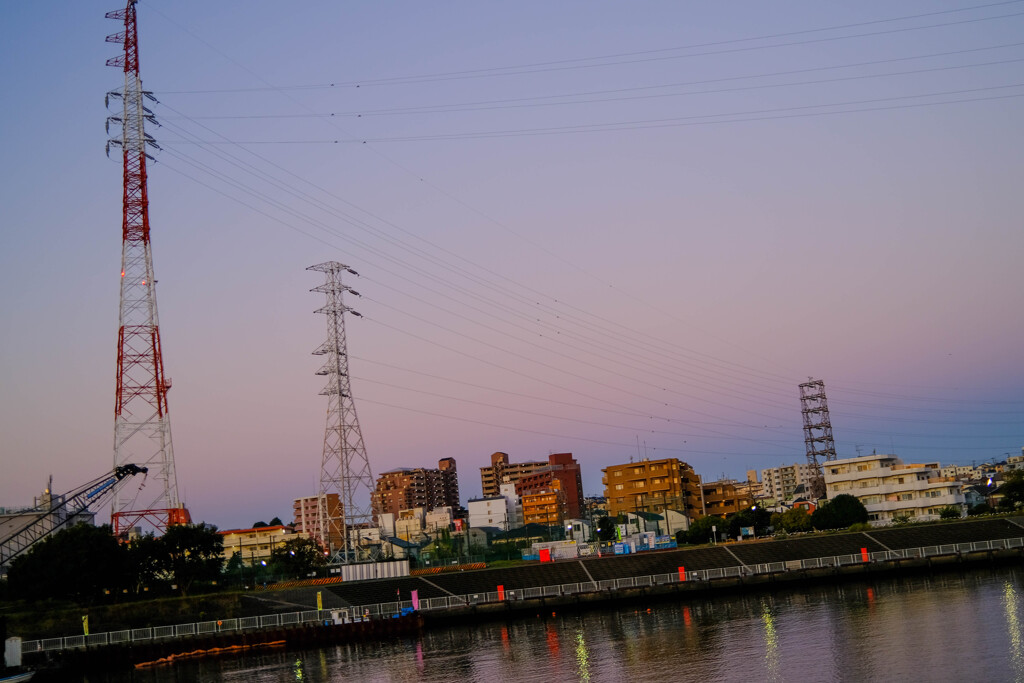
621,230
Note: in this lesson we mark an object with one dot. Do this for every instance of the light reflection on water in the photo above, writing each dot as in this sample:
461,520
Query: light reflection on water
945,627
1011,602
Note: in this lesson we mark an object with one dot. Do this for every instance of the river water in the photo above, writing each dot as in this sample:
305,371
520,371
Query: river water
943,627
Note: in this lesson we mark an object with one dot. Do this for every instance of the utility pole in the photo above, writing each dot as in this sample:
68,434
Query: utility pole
345,468
817,431
142,426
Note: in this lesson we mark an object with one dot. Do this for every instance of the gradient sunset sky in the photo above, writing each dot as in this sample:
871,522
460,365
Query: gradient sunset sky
620,230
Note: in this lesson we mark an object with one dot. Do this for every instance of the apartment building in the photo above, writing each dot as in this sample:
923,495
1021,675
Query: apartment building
653,486
546,506
564,469
255,545
752,486
407,488
724,498
891,489
502,512
780,482
306,521
501,471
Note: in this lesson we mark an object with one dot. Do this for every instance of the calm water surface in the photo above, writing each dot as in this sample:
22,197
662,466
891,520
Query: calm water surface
946,627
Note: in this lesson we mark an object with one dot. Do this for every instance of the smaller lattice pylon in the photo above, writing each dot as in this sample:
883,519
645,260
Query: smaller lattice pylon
345,473
818,439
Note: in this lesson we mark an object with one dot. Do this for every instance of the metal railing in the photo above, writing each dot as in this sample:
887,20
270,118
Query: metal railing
389,609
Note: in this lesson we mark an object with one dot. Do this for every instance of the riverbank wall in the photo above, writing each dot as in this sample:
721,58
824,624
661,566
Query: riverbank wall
370,608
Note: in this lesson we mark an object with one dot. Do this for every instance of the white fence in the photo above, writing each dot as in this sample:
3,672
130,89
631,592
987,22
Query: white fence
389,609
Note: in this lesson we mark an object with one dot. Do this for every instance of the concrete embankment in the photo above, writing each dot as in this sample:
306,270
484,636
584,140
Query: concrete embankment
540,589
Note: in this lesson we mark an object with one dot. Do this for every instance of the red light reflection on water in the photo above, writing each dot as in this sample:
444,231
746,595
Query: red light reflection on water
552,638
687,619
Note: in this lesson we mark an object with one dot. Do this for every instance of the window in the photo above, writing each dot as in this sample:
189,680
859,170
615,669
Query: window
618,487
906,496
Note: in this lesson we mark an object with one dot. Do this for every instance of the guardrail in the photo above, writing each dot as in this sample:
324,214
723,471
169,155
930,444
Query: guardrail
389,609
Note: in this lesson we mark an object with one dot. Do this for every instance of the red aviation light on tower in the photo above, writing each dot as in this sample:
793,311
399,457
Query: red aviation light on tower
142,428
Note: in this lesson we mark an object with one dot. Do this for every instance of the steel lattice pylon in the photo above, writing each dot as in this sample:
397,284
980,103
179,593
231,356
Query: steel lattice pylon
345,468
817,431
142,428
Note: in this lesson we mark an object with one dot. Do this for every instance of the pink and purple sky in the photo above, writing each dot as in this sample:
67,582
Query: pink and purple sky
614,229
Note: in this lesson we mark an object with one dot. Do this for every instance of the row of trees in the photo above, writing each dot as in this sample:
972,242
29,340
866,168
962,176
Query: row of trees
840,512
86,563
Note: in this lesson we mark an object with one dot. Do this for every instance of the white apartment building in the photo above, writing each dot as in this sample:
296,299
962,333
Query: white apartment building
890,489
960,472
501,512
780,482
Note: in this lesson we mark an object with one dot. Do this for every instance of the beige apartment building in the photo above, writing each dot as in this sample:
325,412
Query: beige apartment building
255,545
891,489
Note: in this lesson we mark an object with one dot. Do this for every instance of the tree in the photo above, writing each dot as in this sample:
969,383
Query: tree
950,512
276,521
233,568
794,520
145,561
755,516
77,563
981,509
700,530
1012,491
605,529
839,513
296,557
190,553
259,525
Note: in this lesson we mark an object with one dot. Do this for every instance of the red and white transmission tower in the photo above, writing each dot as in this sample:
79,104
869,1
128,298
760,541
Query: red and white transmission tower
142,427
345,467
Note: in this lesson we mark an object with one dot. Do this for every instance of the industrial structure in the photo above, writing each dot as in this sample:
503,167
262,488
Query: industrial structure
344,468
19,530
142,427
817,432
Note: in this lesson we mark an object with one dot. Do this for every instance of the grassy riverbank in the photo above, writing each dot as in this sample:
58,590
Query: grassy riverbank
50,619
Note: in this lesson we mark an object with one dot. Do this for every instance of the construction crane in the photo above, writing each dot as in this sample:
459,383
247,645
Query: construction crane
58,511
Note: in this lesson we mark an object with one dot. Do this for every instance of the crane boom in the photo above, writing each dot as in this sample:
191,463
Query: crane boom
43,521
